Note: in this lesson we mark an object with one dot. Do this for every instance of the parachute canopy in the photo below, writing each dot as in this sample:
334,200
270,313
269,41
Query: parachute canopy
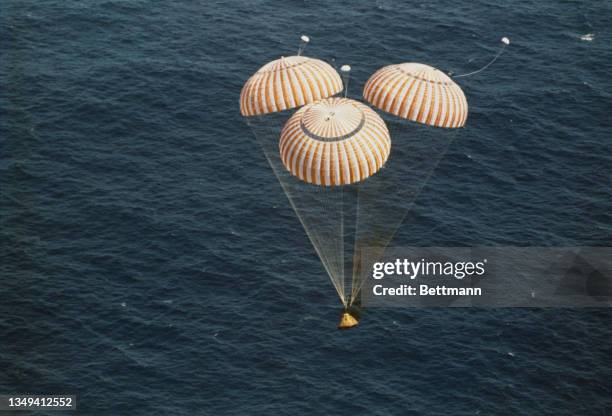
336,141
288,83
418,92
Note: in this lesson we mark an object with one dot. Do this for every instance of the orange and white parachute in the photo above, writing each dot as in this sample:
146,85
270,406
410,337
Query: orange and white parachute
286,83
336,141
419,93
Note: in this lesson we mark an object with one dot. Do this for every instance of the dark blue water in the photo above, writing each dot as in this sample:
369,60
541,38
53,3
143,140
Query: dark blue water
151,264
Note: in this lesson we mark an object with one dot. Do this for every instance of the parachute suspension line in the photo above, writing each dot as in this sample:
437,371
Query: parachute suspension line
505,41
410,203
323,199
330,199
328,264
303,43
408,198
356,254
341,240
346,74
330,244
361,217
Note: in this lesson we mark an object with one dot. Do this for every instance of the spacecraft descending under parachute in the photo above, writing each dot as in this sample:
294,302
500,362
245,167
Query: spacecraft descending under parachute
333,155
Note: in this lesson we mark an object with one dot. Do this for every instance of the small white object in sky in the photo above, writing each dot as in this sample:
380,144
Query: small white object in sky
506,40
345,68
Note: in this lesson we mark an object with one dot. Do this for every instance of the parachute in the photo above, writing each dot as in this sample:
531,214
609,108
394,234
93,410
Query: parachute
333,142
267,101
423,107
419,93
327,148
288,83
332,155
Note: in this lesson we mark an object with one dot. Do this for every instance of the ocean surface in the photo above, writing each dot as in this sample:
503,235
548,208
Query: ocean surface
151,265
